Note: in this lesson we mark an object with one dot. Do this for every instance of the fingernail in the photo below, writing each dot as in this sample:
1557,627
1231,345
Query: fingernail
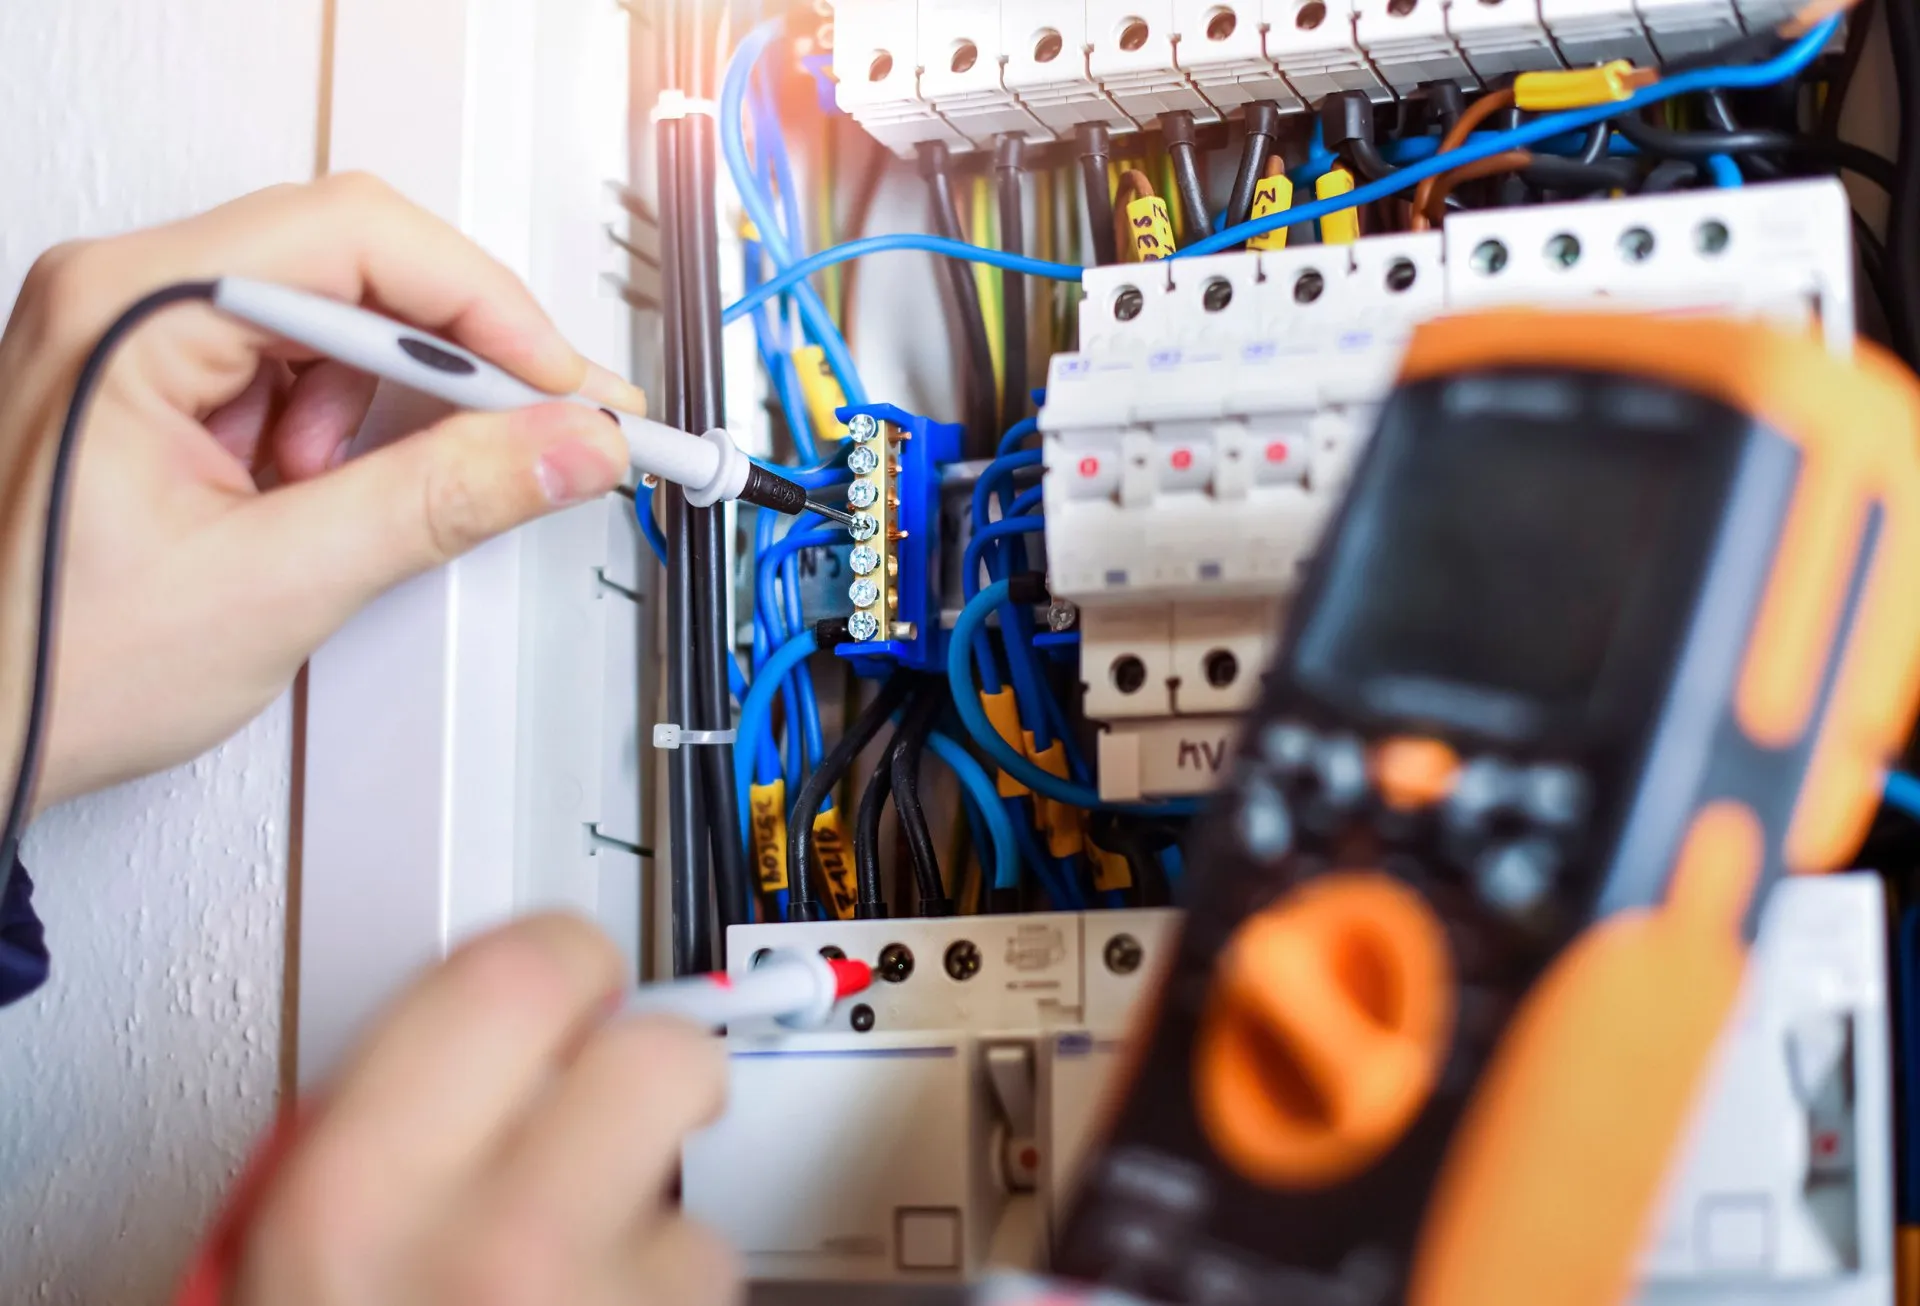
615,391
573,472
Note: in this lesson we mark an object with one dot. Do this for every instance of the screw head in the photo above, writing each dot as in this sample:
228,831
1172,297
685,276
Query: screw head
1636,244
862,494
1128,303
832,953
865,560
1124,954
864,526
863,461
861,1018
864,593
963,959
895,964
1711,237
863,428
1062,615
760,956
1216,295
864,627
1308,286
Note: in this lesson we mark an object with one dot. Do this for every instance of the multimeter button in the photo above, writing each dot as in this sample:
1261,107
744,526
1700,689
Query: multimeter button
1414,773
1516,877
1288,747
1485,786
1266,827
1340,764
1553,795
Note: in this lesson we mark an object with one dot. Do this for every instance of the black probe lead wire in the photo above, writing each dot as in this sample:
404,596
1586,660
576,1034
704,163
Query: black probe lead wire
866,836
26,772
806,805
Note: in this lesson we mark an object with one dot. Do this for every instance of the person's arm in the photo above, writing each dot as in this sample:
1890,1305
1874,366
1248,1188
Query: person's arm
498,1138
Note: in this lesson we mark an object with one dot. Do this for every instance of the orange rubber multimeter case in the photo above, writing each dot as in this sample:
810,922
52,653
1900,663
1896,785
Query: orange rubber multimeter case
1617,624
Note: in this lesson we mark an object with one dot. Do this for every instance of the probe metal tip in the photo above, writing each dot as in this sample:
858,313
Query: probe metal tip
832,514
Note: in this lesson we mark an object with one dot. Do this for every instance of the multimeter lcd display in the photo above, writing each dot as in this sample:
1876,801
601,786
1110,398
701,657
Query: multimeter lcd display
1511,546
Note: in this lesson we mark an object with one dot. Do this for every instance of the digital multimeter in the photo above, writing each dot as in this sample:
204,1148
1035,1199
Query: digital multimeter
1618,623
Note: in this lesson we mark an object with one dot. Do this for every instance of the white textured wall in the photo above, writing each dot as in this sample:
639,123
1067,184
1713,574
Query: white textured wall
131,1088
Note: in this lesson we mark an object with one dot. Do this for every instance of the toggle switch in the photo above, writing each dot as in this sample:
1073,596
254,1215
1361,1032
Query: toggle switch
1010,1078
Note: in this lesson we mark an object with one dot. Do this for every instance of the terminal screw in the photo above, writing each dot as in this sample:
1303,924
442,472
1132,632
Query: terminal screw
861,1018
1062,615
863,461
1124,954
864,593
864,560
864,627
863,428
896,963
862,494
963,959
864,526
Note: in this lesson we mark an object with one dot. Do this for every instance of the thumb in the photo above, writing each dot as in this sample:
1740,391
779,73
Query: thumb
331,544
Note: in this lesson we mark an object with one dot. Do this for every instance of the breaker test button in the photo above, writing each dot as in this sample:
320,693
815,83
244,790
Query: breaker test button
1277,457
1089,473
1186,465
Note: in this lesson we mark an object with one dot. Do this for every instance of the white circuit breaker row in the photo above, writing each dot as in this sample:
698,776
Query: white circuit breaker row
967,71
1202,434
934,1129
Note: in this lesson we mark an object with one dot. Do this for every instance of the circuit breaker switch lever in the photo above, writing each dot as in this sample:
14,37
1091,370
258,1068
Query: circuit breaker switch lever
710,468
1010,1076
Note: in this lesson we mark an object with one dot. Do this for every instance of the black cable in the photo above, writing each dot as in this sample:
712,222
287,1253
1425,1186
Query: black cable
689,891
1010,175
1666,143
1859,24
1550,172
806,805
1095,145
1671,175
982,407
1183,148
700,247
907,753
1903,218
872,904
1263,133
26,773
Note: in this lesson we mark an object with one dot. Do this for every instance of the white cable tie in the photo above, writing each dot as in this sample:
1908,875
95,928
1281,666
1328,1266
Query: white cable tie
670,737
674,105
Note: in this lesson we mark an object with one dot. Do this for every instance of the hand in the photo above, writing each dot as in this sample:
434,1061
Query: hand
216,535
495,1143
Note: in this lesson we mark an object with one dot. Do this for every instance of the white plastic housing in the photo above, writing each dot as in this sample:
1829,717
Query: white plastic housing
960,54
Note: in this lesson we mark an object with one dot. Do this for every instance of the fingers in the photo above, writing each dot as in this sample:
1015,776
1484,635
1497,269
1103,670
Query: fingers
451,1067
683,1264
315,552
602,1147
239,425
323,412
350,237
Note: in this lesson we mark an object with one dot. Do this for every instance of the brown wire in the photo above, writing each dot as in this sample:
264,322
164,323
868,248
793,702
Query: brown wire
1476,113
1134,185
1495,165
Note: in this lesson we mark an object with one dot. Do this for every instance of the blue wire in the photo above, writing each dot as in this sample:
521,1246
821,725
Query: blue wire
985,537
1017,436
1784,65
1724,171
755,711
766,604
998,470
966,702
1028,502
979,788
643,512
1903,793
759,209
1060,890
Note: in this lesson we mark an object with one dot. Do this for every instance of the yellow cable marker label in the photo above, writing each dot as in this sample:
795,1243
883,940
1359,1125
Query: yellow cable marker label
1001,710
1271,195
768,805
836,863
1575,88
1061,822
821,391
1152,229
1110,870
1342,228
